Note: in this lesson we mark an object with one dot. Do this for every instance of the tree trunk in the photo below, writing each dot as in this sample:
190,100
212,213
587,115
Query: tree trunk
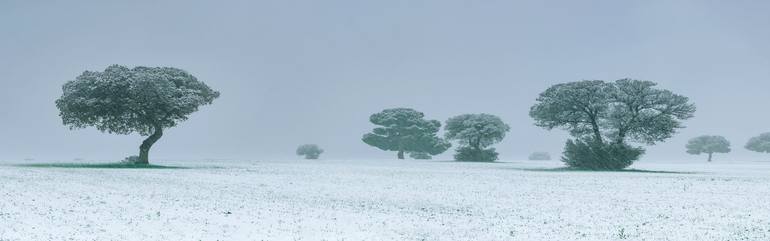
710,156
477,153
144,149
401,155
597,132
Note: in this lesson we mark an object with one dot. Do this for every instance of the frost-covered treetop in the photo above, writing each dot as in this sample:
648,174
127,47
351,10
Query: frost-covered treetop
619,110
476,130
708,144
759,143
122,100
402,119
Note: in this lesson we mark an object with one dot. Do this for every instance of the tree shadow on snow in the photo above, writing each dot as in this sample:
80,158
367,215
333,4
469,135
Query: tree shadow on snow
572,169
99,165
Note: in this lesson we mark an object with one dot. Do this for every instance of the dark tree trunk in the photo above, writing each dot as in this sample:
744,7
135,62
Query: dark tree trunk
595,127
400,155
710,156
597,133
144,149
475,143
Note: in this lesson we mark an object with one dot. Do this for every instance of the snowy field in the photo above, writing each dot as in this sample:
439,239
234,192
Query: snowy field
385,200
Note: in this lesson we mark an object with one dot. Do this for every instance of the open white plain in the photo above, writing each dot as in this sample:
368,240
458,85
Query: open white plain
386,200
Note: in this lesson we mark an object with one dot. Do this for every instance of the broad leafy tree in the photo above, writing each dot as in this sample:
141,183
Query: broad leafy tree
760,143
142,100
310,151
474,133
405,130
605,113
708,144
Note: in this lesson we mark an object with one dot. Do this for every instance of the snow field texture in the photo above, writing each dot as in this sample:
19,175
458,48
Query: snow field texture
386,200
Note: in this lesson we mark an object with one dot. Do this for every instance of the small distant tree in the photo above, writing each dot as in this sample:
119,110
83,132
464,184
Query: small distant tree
476,132
604,116
540,156
310,151
420,156
759,143
144,100
708,145
405,130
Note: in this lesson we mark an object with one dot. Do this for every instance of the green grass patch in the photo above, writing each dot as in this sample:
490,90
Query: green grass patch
572,169
99,165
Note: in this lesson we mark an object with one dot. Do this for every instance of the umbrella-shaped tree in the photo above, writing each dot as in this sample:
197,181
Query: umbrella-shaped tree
405,130
142,100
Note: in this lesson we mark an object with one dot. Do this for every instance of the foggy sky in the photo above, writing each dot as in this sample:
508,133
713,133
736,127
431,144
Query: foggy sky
295,72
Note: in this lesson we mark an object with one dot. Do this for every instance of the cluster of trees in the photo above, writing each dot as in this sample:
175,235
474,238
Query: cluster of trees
406,130
147,100
603,117
708,144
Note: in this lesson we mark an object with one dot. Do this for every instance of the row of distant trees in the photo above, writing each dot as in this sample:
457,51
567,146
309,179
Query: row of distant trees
603,117
706,144
709,144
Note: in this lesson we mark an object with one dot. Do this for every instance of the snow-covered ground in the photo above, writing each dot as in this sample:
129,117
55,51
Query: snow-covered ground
386,200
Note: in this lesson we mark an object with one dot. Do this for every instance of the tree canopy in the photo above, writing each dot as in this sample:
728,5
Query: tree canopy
310,151
708,144
760,143
617,111
474,132
405,130
144,100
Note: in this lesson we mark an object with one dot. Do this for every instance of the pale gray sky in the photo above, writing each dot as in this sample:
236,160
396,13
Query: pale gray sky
294,72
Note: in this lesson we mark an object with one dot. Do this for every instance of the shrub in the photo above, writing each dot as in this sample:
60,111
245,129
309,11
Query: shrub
594,155
420,156
540,156
470,154
131,160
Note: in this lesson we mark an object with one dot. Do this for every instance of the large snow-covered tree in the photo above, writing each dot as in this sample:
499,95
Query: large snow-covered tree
760,143
474,133
142,100
617,111
612,113
708,144
405,130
